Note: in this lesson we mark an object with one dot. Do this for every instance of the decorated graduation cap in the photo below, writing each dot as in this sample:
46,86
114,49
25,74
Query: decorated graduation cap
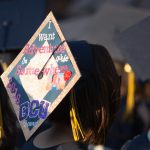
134,44
40,76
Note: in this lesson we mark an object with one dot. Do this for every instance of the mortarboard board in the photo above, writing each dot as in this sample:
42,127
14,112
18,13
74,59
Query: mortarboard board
40,76
109,20
134,44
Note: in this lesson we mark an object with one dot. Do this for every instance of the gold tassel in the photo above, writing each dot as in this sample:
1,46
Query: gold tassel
4,66
76,128
1,124
131,89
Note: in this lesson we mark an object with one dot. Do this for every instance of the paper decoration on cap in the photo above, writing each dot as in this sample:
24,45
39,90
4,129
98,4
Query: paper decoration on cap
40,76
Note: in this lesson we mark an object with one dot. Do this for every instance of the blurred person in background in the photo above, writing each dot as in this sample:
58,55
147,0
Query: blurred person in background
141,120
142,107
122,128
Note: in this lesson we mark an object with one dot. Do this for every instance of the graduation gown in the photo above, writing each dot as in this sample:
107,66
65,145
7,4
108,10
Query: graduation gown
29,145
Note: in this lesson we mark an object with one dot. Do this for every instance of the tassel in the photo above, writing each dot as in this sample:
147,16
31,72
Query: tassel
131,89
4,66
76,128
1,124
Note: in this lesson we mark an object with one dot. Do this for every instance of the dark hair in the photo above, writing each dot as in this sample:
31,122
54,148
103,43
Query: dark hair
99,97
96,98
8,119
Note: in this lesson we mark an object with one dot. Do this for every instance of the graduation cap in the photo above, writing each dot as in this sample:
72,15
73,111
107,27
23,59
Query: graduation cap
40,76
109,20
134,44
16,25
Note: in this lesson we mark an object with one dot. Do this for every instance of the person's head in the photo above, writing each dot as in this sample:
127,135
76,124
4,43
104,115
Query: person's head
96,94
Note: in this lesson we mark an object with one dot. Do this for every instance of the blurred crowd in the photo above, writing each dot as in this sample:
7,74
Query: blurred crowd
137,122
126,125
